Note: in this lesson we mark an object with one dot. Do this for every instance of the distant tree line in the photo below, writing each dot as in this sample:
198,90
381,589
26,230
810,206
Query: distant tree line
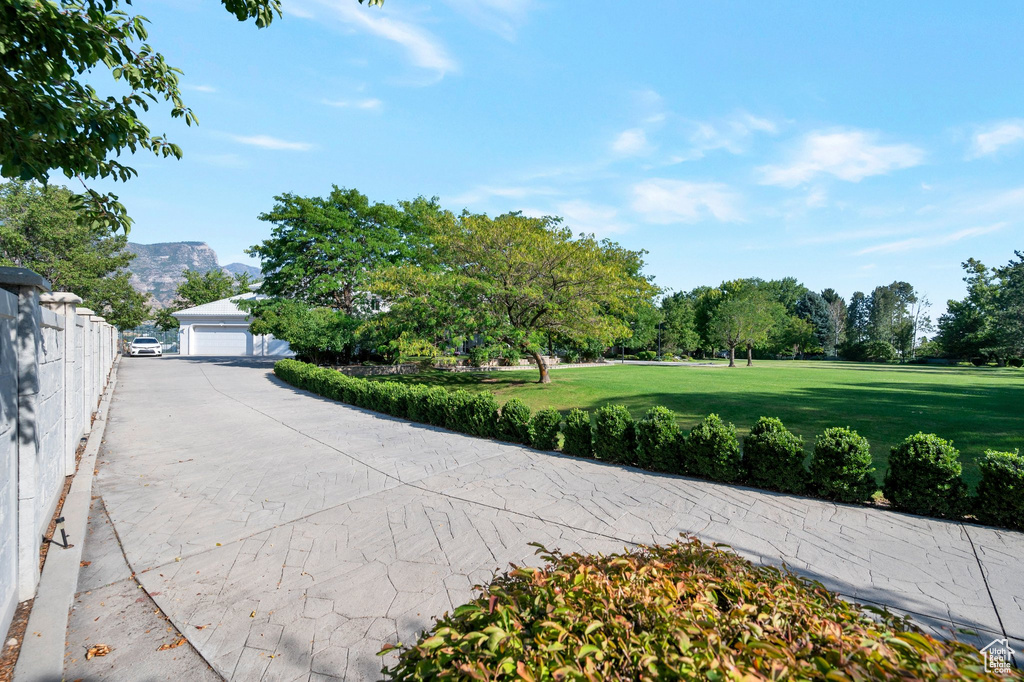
345,279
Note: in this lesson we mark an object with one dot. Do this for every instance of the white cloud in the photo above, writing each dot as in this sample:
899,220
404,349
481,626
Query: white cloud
671,201
583,216
422,47
730,135
486,192
200,88
503,17
268,142
370,103
996,136
915,243
631,142
850,155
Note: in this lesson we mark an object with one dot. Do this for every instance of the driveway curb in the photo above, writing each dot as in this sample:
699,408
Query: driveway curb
42,652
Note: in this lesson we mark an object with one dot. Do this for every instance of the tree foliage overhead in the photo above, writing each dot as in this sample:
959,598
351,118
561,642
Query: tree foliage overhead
515,280
324,251
40,230
51,120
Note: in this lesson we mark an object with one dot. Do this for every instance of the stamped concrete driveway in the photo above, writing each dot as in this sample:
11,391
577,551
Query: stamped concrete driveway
289,537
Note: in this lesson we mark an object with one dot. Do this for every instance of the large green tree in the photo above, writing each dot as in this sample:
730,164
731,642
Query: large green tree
199,288
518,280
1008,322
679,329
966,329
40,230
52,120
318,335
745,317
325,250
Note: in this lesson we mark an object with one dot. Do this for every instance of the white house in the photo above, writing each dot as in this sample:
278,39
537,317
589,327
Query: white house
221,328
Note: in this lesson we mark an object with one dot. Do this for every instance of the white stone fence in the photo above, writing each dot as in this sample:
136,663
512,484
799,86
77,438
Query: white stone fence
55,359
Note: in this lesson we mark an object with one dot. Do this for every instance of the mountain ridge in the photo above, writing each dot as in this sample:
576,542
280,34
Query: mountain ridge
158,268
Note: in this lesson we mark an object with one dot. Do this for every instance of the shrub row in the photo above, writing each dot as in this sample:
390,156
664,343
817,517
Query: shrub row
685,611
924,474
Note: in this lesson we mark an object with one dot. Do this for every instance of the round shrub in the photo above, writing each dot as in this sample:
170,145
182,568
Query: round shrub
646,355
614,435
1000,500
579,439
1015,362
712,451
437,407
514,422
841,466
480,355
924,477
685,611
482,415
545,425
658,441
773,457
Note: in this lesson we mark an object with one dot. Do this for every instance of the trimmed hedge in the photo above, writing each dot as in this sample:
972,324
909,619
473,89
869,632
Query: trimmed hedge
773,457
579,438
924,477
614,435
685,611
841,466
545,425
659,441
712,451
514,422
1000,500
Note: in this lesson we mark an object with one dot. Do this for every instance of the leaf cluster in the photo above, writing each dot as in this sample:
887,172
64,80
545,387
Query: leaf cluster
687,610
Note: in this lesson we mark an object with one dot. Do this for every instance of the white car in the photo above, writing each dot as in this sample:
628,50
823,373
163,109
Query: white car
145,345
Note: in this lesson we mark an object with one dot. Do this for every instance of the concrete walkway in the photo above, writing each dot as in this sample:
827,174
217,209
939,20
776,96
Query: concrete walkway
289,537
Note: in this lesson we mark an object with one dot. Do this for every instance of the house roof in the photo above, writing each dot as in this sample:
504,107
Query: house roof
225,307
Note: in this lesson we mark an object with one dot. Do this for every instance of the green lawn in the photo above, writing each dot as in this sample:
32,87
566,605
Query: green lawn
977,407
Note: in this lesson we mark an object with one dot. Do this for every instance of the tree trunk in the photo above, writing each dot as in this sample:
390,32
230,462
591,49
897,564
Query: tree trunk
545,378
750,355
732,356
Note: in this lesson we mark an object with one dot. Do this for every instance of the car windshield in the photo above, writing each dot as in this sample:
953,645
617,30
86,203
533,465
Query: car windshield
144,341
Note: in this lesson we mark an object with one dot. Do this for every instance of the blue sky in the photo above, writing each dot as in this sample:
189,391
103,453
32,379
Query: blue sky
848,145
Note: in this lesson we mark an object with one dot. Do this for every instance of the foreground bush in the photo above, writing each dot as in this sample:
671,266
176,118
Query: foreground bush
614,435
1000,500
545,425
924,477
841,466
659,440
773,457
514,422
712,451
683,611
579,439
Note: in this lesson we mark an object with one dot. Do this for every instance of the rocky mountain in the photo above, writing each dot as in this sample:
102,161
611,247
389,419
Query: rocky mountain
157,268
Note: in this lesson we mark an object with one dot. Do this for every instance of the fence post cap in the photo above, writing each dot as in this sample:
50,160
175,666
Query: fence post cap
59,297
86,311
23,277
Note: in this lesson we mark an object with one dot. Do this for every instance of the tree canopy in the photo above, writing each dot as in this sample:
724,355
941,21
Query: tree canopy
515,280
324,251
40,230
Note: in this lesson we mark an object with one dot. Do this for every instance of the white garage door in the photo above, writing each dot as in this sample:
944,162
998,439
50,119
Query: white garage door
222,341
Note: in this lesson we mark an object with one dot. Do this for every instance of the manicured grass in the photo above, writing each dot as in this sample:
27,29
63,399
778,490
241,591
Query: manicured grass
978,408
